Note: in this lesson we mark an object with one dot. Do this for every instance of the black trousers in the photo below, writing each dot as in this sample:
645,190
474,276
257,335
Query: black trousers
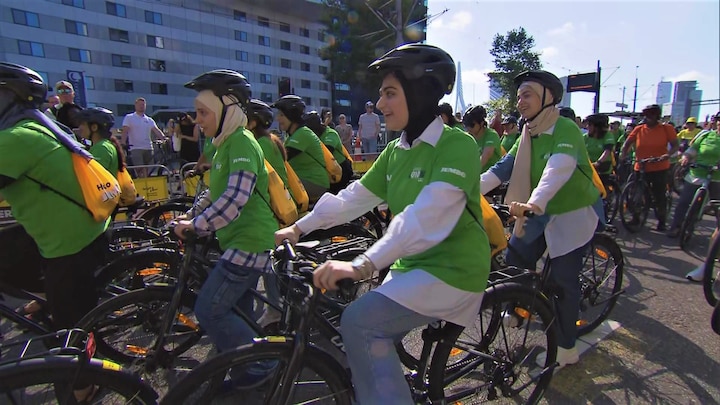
658,183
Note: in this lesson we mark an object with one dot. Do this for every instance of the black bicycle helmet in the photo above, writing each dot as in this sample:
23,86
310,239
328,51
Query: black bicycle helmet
419,60
261,112
546,79
26,83
567,112
314,122
474,114
599,120
652,107
103,117
223,82
292,106
446,108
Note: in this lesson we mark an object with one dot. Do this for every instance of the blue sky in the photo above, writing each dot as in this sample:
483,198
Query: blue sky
670,40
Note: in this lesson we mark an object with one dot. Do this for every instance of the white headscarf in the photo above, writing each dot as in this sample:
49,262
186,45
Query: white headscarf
234,117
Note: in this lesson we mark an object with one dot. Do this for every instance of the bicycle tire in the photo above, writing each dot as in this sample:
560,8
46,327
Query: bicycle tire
715,319
102,316
161,215
125,270
315,359
613,200
691,217
65,372
132,233
496,299
601,245
635,200
711,276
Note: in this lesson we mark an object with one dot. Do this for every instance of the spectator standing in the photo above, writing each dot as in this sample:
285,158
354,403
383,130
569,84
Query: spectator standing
368,130
189,135
137,130
67,111
345,131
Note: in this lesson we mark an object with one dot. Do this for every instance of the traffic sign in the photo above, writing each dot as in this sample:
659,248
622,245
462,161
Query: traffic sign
621,105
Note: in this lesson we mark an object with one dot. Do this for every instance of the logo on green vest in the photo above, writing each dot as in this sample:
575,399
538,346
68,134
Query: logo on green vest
417,174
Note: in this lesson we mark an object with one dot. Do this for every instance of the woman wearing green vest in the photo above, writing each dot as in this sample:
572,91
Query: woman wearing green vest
600,143
330,138
237,209
510,133
260,117
430,169
550,175
303,147
488,141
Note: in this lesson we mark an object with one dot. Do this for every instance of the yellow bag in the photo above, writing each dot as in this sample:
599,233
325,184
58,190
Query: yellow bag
493,227
503,152
302,200
346,154
128,192
101,191
331,165
596,181
281,203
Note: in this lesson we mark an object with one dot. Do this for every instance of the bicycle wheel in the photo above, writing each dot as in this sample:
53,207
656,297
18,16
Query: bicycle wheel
492,355
600,282
128,236
137,269
715,319
50,380
711,278
320,379
160,216
634,206
612,200
694,213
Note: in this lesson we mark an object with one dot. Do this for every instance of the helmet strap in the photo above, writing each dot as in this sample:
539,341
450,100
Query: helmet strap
542,102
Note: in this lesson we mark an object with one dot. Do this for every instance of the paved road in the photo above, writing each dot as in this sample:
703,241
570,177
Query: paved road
665,352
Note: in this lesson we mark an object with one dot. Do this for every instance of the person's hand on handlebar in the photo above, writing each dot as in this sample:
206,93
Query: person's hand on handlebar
665,156
183,227
291,233
518,209
684,160
329,273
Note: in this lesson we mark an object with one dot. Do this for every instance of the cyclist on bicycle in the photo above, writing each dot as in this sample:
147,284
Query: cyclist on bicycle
235,209
510,133
550,175
330,138
600,142
488,141
688,133
260,117
95,125
441,262
651,139
304,150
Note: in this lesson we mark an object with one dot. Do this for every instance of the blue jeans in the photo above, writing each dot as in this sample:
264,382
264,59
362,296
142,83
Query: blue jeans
369,145
370,327
564,272
227,285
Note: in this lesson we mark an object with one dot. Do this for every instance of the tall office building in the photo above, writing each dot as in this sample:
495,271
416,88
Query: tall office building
127,49
685,102
664,92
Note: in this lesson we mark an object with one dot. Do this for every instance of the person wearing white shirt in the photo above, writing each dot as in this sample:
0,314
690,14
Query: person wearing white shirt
137,131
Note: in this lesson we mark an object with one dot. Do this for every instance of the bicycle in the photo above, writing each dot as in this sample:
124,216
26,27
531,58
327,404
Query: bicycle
434,376
600,280
50,376
636,198
711,276
611,202
696,209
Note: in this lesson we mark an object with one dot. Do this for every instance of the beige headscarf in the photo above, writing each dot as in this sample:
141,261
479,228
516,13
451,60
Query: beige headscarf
519,188
234,118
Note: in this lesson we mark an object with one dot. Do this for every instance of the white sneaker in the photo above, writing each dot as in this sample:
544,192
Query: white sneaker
271,315
564,357
697,274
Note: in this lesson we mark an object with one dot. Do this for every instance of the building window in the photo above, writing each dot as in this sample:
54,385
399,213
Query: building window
121,61
265,78
263,22
343,103
239,15
307,100
119,35
324,102
241,56
155,41
321,36
158,88
305,84
323,70
156,65
153,17
264,60
342,87
286,63
31,48
76,27
305,49
80,55
284,27
125,109
263,40
115,9
266,97
324,86
125,86
285,45
26,18
241,36
305,67
304,32
74,3
89,82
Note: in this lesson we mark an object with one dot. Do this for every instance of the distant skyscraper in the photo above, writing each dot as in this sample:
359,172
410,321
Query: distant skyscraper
664,93
566,96
495,90
685,98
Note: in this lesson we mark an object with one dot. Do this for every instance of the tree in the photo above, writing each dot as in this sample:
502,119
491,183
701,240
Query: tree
513,53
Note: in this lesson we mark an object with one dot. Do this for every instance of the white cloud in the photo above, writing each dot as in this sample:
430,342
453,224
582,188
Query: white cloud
457,21
549,52
437,23
564,29
691,75
476,76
